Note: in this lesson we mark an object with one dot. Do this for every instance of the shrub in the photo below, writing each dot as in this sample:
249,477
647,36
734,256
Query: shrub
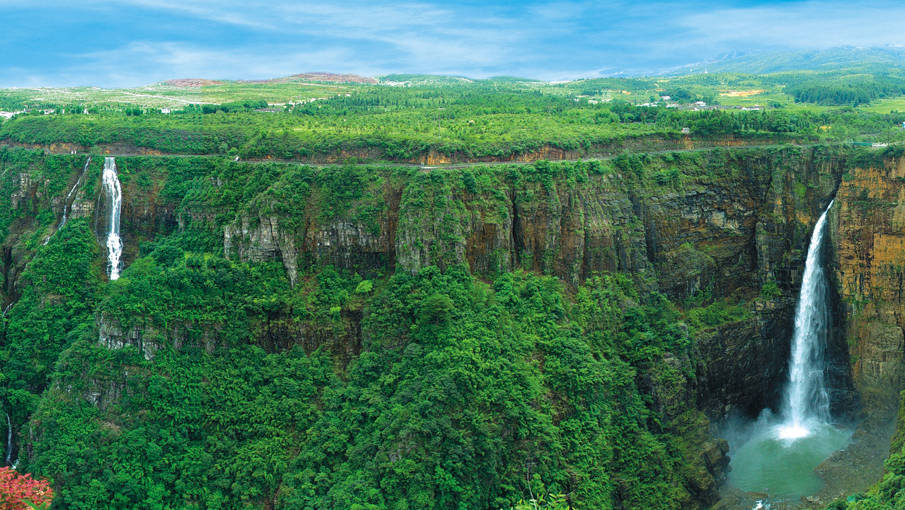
22,492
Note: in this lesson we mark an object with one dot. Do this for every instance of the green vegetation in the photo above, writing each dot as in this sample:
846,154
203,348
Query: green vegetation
459,119
462,392
853,92
203,382
889,492
369,335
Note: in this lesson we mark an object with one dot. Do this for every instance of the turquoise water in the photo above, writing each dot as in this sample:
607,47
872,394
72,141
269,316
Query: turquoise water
784,468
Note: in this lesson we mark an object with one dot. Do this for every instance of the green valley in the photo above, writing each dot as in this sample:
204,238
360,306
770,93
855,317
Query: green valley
421,291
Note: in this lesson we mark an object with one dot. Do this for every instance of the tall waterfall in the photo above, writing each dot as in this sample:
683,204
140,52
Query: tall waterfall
806,399
114,205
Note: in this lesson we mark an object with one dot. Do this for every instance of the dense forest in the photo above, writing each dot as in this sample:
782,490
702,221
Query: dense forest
495,121
850,91
448,389
309,318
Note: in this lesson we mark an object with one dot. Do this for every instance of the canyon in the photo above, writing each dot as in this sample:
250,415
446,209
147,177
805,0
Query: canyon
724,225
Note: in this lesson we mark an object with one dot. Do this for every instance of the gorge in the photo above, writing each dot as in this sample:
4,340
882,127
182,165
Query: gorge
667,282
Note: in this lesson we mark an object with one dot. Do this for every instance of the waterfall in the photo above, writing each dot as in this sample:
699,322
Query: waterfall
777,456
114,204
9,440
66,203
806,399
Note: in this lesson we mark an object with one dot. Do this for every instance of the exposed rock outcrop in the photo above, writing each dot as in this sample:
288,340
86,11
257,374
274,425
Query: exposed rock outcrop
869,240
697,227
261,240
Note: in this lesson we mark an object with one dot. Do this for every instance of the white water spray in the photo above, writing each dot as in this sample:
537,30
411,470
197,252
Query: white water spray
807,402
114,204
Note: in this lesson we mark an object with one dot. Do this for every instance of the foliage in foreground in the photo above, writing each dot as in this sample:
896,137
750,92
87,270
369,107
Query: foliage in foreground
22,492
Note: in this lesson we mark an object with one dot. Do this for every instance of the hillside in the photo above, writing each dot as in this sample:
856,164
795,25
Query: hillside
832,59
461,294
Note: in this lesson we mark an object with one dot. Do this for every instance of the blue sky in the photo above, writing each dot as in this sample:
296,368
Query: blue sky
135,42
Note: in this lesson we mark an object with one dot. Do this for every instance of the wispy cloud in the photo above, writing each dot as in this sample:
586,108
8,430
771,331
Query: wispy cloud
809,25
164,60
130,42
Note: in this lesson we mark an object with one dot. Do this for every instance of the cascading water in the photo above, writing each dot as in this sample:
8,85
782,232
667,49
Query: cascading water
114,204
806,399
778,454
67,203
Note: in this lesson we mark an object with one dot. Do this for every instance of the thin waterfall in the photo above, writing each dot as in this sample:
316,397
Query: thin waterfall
9,441
114,204
806,399
67,204
66,201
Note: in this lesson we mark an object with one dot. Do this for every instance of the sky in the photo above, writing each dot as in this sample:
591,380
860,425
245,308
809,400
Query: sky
124,43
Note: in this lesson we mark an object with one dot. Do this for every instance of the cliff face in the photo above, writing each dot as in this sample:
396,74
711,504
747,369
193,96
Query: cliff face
720,224
701,227
869,228
697,226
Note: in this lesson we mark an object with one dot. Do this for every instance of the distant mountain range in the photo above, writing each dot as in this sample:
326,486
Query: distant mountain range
845,57
303,77
323,77
876,59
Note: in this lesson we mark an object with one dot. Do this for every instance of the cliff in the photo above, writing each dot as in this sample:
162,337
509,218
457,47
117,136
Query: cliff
869,235
720,234
715,225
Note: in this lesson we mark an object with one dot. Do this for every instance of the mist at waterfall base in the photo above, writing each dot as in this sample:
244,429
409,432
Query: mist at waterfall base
777,453
762,461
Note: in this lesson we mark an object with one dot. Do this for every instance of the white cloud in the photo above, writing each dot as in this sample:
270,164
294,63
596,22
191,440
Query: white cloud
260,39
164,60
351,37
801,25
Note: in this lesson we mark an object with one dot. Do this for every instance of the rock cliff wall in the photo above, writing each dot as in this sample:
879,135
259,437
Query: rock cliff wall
702,227
869,240
695,225
724,224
